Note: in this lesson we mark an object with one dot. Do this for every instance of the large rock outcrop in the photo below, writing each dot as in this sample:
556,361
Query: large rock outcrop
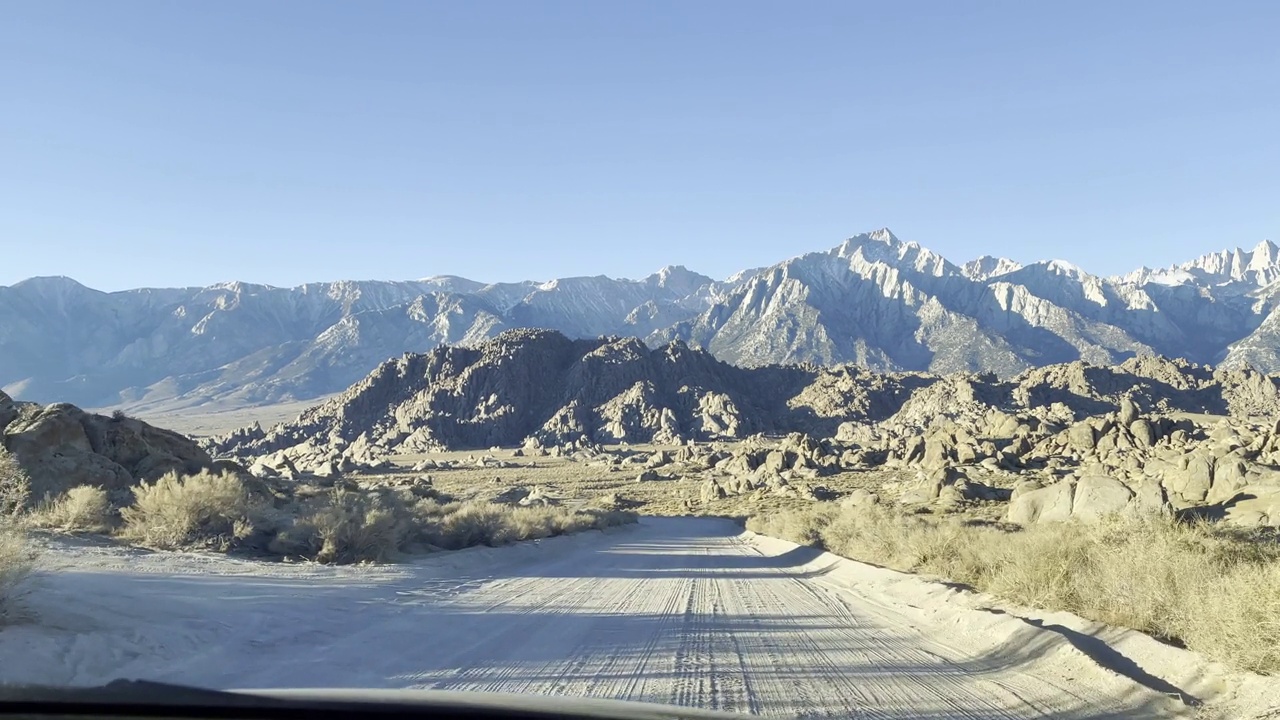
61,446
543,387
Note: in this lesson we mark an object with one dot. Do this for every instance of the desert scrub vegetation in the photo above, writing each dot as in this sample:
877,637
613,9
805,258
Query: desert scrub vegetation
15,556
81,509
354,526
479,523
1211,589
221,511
203,510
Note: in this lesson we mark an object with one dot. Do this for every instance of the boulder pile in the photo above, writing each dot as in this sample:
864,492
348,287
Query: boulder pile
61,446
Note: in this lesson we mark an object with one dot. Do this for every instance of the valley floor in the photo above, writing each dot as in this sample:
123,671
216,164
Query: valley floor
687,611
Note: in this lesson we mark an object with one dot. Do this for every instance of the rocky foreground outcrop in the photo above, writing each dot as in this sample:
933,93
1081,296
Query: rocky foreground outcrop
61,446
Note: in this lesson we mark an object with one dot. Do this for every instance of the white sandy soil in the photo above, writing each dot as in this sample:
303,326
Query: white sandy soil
686,611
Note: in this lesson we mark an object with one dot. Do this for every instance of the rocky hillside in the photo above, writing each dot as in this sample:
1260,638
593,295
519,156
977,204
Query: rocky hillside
542,388
60,446
874,300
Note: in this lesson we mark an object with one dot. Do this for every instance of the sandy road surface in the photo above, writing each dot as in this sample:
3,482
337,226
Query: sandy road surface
680,610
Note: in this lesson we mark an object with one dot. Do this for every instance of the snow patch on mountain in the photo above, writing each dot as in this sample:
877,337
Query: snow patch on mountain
988,267
1243,269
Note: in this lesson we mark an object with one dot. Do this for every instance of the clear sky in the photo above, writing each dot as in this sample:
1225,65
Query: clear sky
184,143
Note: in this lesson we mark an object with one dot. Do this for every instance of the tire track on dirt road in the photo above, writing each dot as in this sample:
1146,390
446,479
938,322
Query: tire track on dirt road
686,611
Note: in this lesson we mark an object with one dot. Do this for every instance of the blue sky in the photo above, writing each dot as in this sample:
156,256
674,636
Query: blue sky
185,143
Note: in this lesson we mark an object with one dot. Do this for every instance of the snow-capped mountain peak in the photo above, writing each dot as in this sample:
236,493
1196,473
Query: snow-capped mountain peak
1063,267
1243,269
678,280
988,267
882,247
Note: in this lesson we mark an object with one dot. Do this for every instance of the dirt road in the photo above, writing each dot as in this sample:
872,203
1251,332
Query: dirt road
679,610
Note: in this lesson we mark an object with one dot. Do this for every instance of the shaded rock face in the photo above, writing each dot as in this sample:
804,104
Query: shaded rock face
541,387
61,446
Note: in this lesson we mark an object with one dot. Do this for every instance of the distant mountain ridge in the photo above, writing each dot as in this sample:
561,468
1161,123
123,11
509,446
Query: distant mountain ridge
873,300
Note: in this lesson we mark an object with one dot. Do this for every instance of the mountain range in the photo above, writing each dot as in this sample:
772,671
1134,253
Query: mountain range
874,300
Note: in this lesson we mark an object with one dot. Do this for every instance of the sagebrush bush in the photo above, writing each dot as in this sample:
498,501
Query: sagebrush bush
345,525
1215,591
15,555
349,526
491,524
81,509
471,524
205,509
15,486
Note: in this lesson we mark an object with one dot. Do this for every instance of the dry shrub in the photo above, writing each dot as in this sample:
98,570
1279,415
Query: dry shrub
15,565
494,525
803,527
473,523
351,526
81,509
205,509
1215,591
15,486
15,556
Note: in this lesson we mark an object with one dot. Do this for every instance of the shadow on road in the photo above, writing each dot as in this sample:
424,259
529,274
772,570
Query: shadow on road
578,623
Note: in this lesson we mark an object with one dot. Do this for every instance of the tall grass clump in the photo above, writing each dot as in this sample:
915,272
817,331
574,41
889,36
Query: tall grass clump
1211,589
15,555
202,510
81,509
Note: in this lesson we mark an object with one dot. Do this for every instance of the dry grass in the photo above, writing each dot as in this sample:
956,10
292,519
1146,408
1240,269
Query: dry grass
357,526
15,555
15,486
80,509
345,525
348,526
478,523
206,509
1213,590
15,566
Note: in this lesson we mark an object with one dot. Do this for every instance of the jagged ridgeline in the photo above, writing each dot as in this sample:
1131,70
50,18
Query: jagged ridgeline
874,300
540,386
